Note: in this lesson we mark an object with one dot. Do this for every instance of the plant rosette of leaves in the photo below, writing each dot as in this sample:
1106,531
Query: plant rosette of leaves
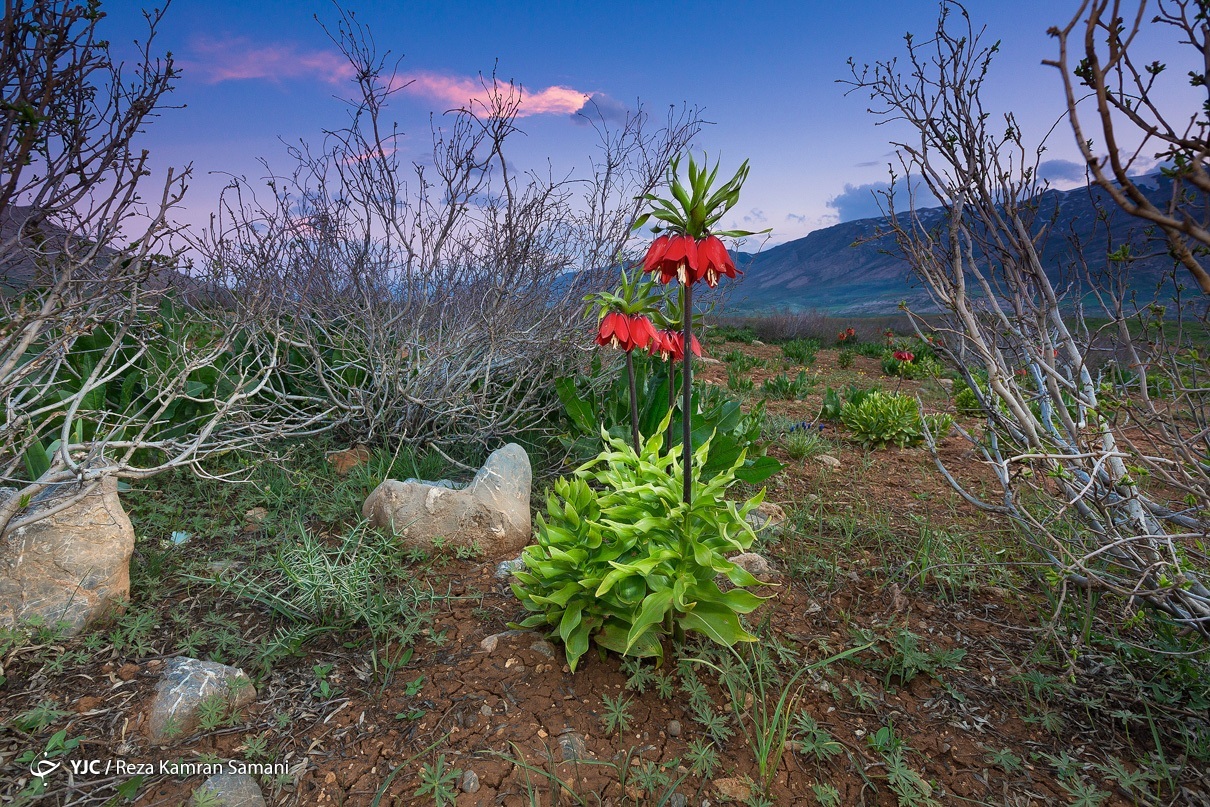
622,561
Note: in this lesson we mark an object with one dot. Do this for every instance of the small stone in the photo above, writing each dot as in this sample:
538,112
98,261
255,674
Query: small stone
490,643
677,800
486,710
813,608
754,564
674,728
220,566
767,516
734,789
229,790
828,461
256,515
470,781
543,648
506,568
572,745
345,461
187,683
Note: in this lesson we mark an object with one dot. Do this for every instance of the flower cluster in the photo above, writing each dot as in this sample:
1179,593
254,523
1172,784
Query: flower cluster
669,344
806,426
689,260
904,355
846,335
626,331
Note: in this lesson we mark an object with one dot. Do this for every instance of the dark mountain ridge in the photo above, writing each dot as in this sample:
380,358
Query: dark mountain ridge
849,269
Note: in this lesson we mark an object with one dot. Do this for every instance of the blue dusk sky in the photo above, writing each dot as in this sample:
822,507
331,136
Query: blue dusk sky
258,74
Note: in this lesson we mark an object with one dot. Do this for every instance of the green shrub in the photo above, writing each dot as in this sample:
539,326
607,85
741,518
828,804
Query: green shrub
871,350
783,387
804,443
845,359
731,333
882,418
965,401
801,351
620,559
335,588
602,399
939,424
920,367
742,362
738,382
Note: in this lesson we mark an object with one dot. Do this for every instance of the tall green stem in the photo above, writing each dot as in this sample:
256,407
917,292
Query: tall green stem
671,402
634,402
687,392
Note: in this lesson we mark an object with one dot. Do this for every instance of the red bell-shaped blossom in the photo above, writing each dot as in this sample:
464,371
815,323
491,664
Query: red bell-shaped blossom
673,256
671,345
615,329
642,331
714,261
661,345
625,331
904,355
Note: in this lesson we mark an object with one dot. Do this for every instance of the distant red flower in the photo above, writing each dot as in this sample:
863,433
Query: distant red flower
626,332
849,333
714,260
673,256
671,345
840,337
660,345
904,355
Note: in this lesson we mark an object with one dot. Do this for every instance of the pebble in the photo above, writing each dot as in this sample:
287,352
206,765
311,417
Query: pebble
572,746
470,781
486,710
505,568
674,728
735,789
543,648
754,564
677,800
828,461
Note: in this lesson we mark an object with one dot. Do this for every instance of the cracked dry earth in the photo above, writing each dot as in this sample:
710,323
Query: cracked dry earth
486,709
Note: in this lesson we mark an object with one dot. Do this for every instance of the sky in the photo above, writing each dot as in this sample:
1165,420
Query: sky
257,75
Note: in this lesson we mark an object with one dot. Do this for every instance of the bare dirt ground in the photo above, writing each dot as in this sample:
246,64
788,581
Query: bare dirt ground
981,704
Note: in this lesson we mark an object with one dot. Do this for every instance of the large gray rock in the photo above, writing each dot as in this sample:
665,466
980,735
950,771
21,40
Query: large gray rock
71,567
492,511
176,711
229,790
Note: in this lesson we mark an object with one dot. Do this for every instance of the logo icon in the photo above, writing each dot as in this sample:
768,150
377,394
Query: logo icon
43,768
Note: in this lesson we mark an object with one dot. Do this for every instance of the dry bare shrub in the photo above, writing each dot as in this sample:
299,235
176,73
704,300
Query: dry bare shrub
1109,483
436,301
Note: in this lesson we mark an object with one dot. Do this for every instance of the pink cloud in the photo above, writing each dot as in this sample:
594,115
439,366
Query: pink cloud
239,59
458,91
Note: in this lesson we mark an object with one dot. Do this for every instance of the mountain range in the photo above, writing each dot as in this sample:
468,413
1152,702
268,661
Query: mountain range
849,269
